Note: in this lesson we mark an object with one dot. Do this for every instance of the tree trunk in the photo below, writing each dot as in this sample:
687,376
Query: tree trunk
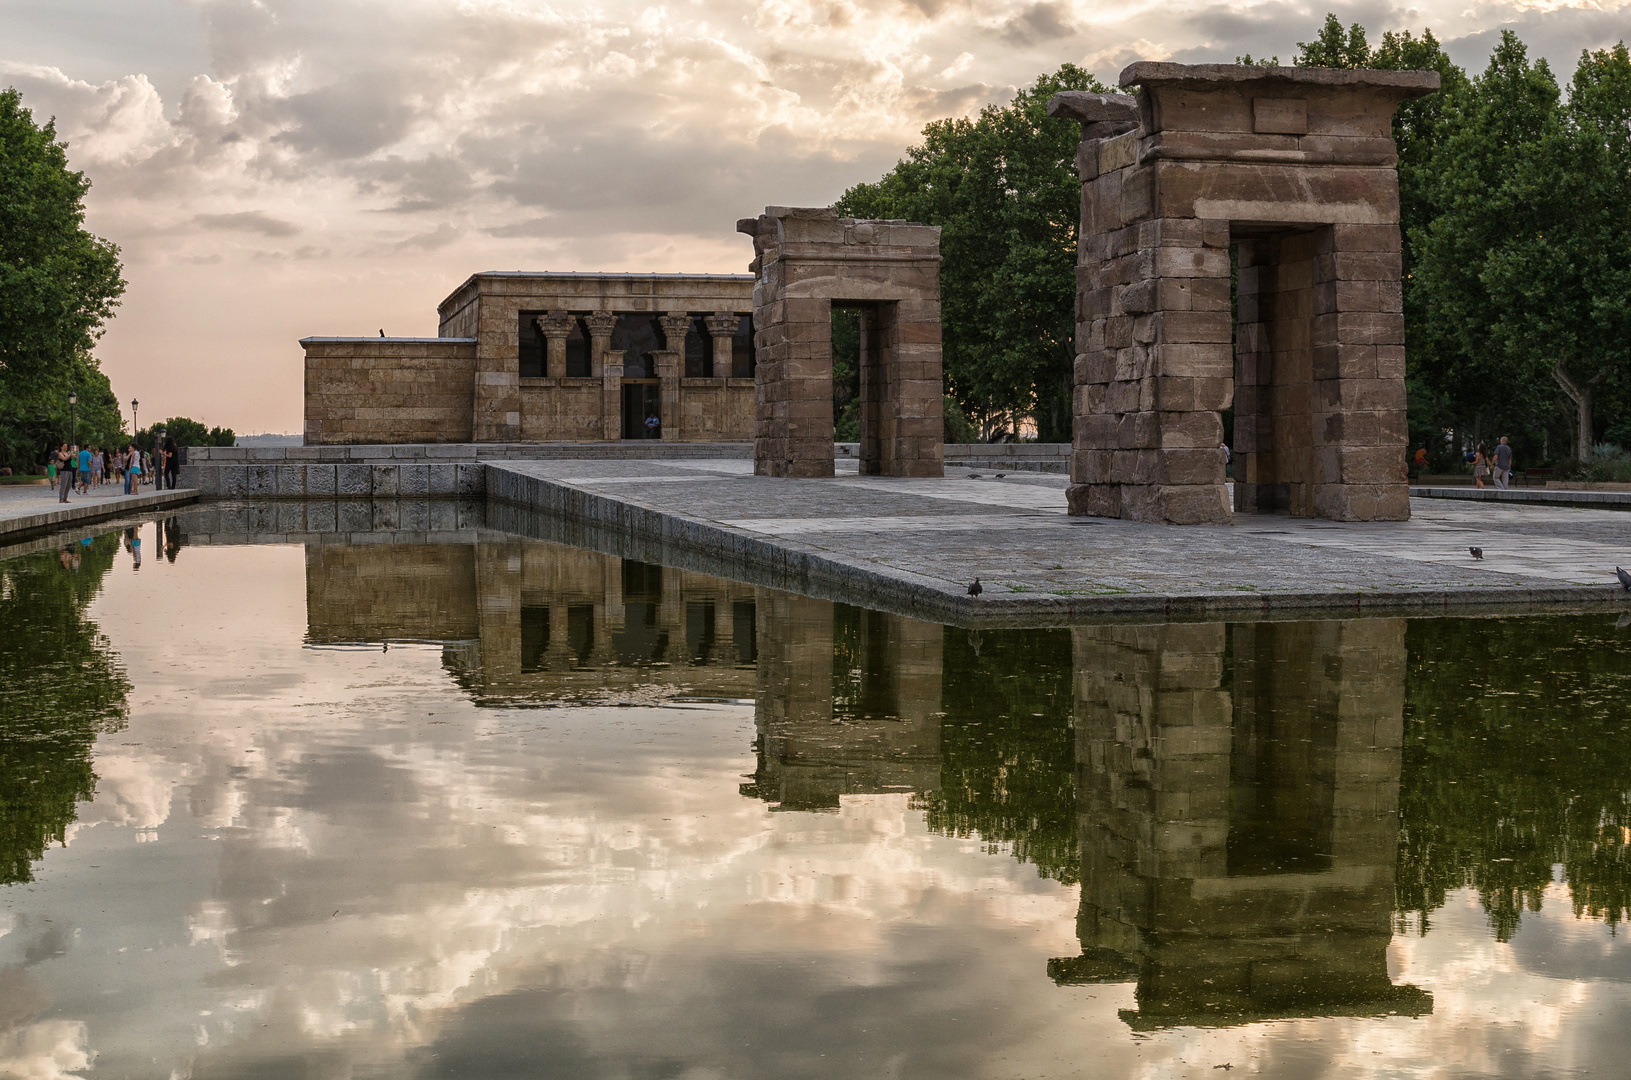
1582,395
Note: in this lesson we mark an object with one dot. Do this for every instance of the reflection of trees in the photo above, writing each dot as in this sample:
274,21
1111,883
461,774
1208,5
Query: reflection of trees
60,687
1516,759
1007,752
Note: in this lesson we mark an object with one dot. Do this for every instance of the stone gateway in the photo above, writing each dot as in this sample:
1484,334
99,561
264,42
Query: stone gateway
808,261
1283,181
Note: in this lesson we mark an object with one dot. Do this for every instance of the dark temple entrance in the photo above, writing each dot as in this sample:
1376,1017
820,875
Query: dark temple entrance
641,401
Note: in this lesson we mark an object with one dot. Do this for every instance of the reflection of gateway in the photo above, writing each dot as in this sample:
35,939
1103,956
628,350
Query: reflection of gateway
848,703
1237,791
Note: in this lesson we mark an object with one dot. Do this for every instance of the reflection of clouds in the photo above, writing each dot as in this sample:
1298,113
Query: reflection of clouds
130,790
45,1050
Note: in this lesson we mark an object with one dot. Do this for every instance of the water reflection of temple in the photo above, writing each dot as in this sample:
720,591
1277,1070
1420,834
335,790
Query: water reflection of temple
1235,788
848,700
1237,791
848,703
529,621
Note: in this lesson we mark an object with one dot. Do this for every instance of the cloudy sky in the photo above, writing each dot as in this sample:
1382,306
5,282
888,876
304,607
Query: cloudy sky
279,168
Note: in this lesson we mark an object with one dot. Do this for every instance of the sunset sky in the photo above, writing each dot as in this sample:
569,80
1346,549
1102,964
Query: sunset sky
279,168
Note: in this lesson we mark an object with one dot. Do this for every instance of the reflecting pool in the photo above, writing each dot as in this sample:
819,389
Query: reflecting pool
454,803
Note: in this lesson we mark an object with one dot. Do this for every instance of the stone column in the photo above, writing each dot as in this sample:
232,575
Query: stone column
670,367
600,326
722,328
1359,433
555,327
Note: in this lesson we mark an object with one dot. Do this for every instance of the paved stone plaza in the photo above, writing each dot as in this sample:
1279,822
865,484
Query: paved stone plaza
934,536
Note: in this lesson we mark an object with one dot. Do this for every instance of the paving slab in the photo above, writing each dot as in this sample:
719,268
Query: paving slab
917,543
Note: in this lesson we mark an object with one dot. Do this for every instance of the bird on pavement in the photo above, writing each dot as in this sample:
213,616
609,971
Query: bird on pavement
973,476
1000,475
1625,578
1477,553
976,590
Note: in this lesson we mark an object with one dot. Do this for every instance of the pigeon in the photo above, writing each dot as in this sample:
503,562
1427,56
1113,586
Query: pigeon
1477,553
1000,475
975,589
382,333
973,476
1625,578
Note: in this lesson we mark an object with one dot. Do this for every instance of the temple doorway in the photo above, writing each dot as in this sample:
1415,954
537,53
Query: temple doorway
641,402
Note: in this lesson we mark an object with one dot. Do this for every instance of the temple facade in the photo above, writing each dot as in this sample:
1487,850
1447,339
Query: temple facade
545,357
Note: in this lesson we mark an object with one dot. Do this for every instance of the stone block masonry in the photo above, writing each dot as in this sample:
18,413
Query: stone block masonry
807,261
1286,178
545,357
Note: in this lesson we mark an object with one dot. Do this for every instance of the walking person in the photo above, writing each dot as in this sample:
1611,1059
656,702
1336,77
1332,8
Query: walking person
1480,466
99,462
1503,464
172,461
65,471
83,470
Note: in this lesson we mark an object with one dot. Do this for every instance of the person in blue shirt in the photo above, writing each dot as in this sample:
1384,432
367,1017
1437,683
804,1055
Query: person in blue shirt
85,470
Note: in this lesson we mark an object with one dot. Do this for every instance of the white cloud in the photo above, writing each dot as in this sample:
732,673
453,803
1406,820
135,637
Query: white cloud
403,145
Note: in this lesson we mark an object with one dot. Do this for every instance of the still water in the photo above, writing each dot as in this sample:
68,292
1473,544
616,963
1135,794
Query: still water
494,807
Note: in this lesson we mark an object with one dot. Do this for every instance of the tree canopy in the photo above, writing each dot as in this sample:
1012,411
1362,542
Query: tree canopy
1003,188
59,286
186,432
1516,210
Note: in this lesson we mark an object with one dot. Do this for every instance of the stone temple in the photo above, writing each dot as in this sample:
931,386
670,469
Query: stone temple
1239,254
540,357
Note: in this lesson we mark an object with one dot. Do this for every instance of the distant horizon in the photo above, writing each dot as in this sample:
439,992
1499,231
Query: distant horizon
289,168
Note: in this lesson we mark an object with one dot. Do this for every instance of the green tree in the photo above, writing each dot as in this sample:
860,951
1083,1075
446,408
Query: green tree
60,687
1335,47
186,432
1520,273
1559,280
1003,188
58,287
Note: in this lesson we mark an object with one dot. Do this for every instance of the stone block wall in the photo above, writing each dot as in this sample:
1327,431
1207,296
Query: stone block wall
557,407
1293,168
385,390
286,479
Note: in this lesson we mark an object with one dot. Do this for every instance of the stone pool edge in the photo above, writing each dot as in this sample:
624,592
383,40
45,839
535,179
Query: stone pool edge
23,526
655,535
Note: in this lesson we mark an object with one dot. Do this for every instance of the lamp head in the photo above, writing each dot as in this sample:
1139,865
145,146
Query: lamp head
73,398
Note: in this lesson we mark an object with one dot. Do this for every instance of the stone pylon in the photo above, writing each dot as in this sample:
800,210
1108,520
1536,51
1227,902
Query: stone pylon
1240,244
807,261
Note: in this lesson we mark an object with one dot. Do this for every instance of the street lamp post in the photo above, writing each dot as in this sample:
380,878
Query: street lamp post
73,420
133,426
